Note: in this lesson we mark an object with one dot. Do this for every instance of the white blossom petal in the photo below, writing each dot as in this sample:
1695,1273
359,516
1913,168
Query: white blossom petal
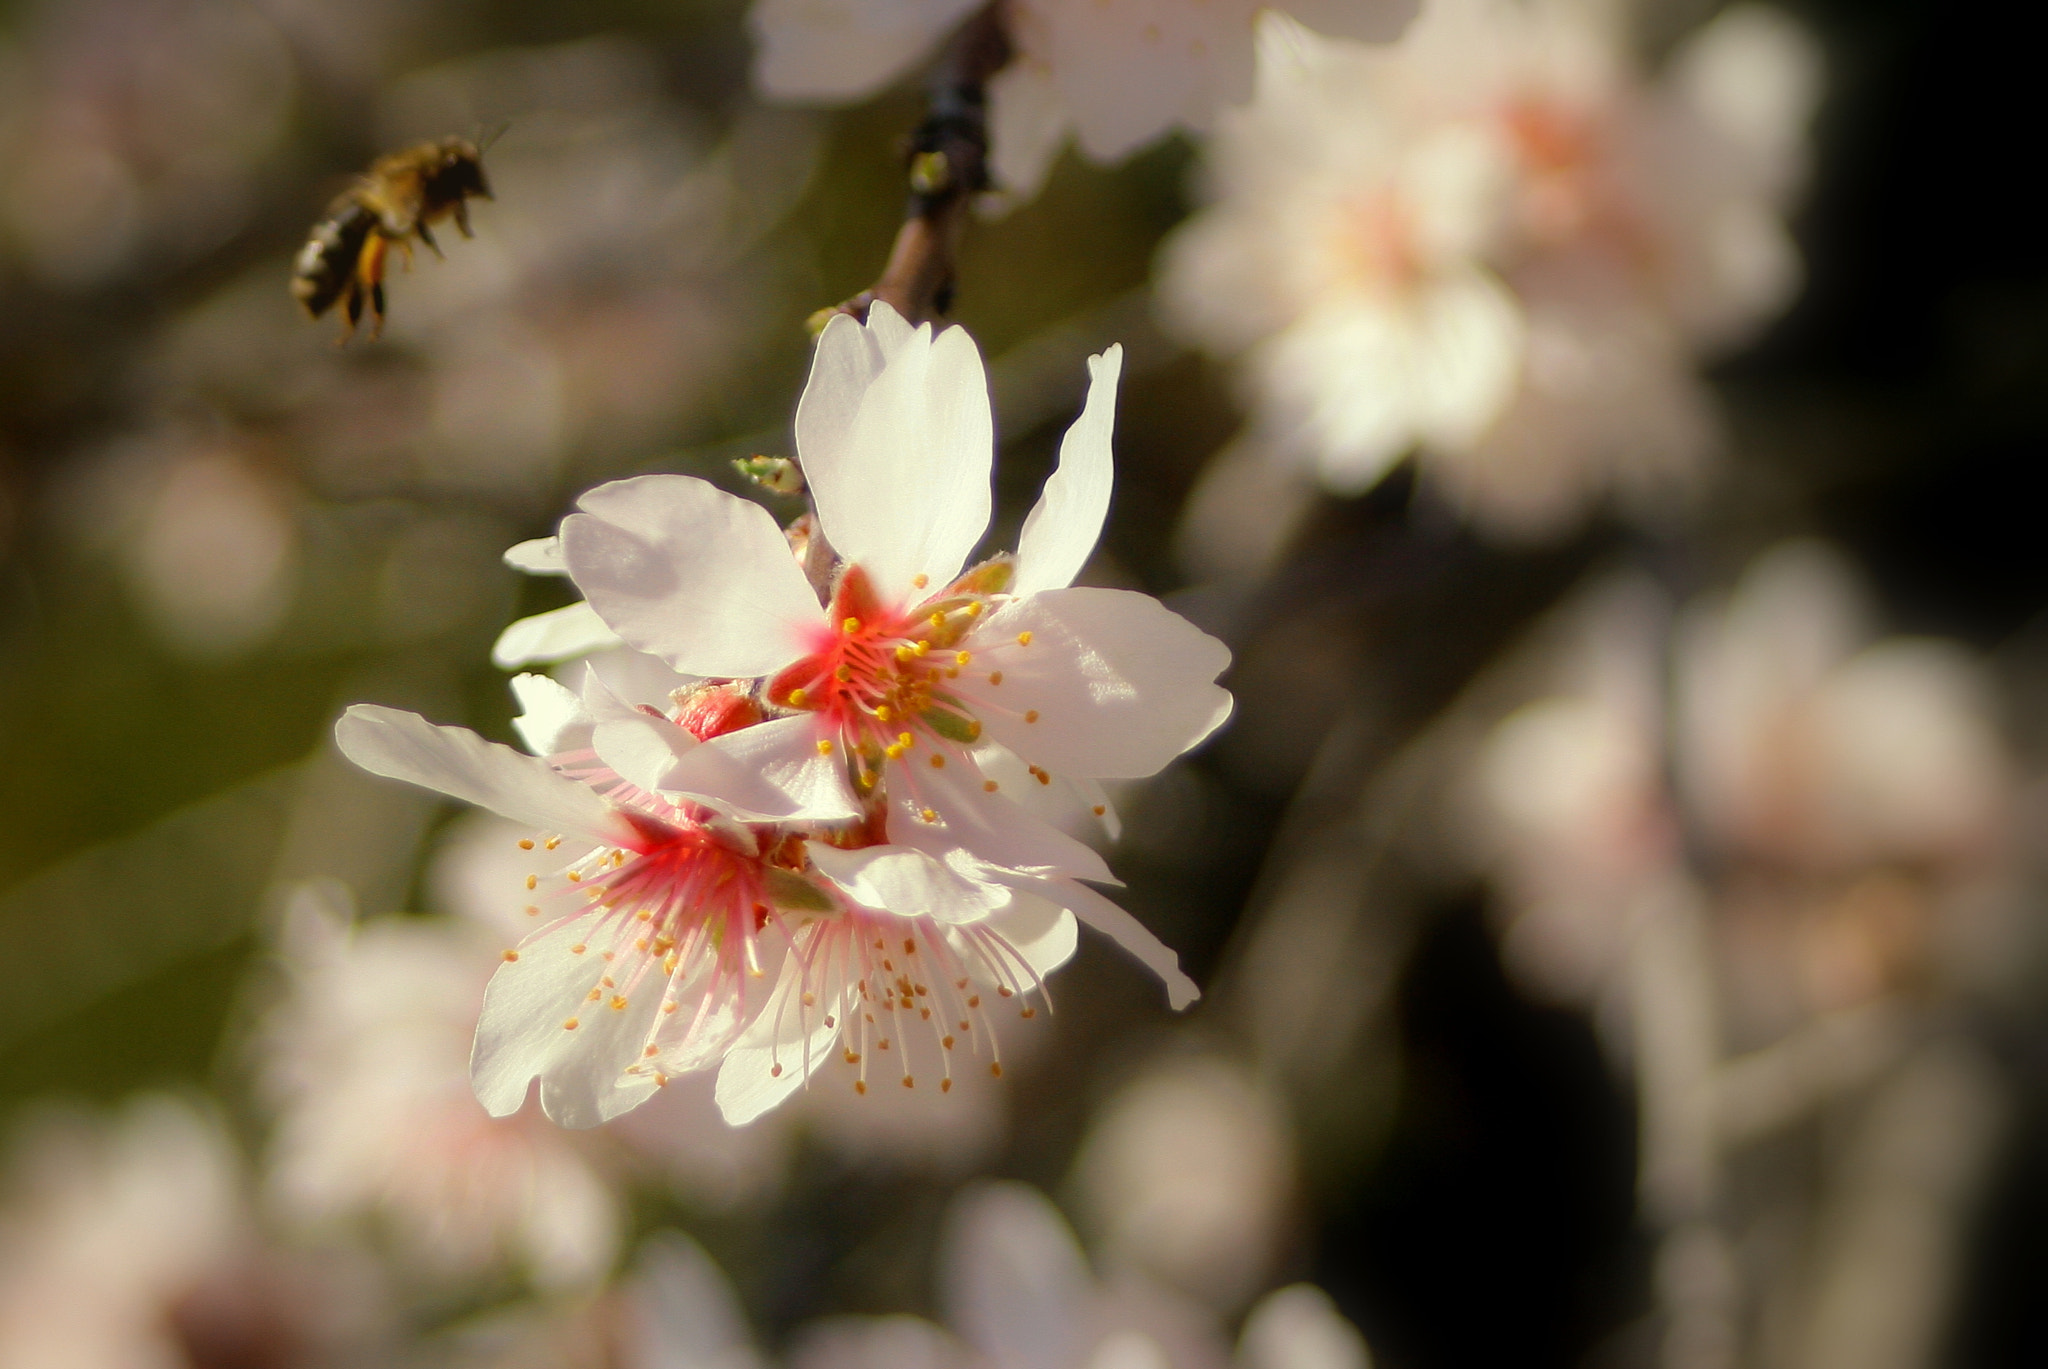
684,571
1027,125
995,829
784,753
1119,926
1015,1282
551,718
910,882
1300,1328
541,556
523,1035
560,634
1112,684
907,492
833,50
778,1052
1066,523
457,762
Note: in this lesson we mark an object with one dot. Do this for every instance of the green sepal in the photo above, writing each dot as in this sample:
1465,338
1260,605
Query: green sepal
793,893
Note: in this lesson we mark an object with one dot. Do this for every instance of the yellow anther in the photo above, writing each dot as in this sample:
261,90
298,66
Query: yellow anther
608,982
974,608
1023,639
1004,990
883,713
810,1000
575,875
594,995
825,747
551,843
946,1041
860,1086
909,1082
973,1002
645,915
894,751
797,697
1028,1013
974,729
844,674
853,1057
945,1085
920,580
928,815
922,647
882,1044
1099,810
850,626
669,1006
904,653
618,1002
533,881
995,677
963,657
526,843
1030,715
904,739
938,620
660,1080
996,1069
651,1051
511,955
570,1025
988,786
938,761
578,949
775,1070
532,911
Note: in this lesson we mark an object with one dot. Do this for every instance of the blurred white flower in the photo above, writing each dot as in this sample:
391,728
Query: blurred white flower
1187,1174
1800,743
1842,793
1018,1294
215,555
125,1243
1494,243
367,1063
1115,76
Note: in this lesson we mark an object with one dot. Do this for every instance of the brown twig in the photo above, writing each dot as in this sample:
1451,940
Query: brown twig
947,167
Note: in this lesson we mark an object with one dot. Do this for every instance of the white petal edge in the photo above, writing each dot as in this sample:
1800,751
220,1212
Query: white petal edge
684,571
548,712
541,556
457,762
1126,931
907,493
1062,529
560,634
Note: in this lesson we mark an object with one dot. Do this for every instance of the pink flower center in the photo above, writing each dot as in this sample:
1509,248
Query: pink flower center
882,678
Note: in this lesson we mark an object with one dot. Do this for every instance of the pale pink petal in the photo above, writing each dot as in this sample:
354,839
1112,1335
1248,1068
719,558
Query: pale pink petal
551,718
1040,931
560,634
523,1034
456,762
783,1046
1063,528
684,571
1015,1283
1111,684
1119,926
1076,805
938,811
907,494
541,556
909,882
848,358
1027,126
838,50
1300,1328
784,755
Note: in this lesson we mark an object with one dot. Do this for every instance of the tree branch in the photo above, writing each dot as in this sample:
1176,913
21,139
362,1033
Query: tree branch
947,167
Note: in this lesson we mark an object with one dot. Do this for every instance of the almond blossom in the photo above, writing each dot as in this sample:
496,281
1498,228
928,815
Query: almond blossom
949,703
1113,76
1496,244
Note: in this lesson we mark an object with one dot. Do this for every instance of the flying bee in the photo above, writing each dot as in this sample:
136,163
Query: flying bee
394,202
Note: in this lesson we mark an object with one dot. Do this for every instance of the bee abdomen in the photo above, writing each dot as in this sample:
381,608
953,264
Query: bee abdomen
328,259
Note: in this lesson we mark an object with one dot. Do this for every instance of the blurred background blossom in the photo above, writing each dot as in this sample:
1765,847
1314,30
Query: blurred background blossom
1598,427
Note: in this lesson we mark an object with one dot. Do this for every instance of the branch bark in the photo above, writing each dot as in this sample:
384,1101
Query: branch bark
947,166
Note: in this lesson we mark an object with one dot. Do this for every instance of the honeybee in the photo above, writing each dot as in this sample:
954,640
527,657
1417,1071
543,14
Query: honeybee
394,202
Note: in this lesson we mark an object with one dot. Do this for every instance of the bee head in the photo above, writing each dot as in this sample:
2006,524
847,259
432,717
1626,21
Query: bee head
461,172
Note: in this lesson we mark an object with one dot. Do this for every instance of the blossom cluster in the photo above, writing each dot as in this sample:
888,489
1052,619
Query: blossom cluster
826,822
1495,243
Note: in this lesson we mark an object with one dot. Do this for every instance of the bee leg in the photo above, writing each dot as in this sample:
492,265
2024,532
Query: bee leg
369,281
427,238
462,218
352,312
377,311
